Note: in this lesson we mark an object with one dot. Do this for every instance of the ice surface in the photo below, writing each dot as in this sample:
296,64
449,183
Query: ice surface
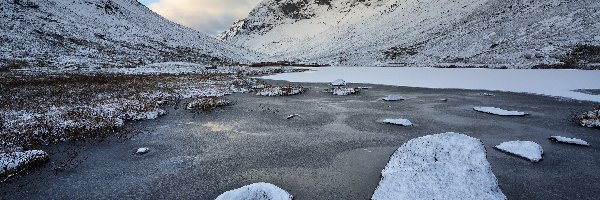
525,149
569,140
442,166
499,111
559,83
256,191
402,122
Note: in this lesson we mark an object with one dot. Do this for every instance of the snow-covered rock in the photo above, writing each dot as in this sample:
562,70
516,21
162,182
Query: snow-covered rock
12,162
402,122
525,149
292,116
393,98
442,166
343,91
101,33
256,191
419,33
338,82
569,140
142,151
499,111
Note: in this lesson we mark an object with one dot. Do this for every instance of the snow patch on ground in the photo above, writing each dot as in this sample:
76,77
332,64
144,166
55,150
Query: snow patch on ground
442,166
256,191
569,140
11,162
499,111
525,149
402,122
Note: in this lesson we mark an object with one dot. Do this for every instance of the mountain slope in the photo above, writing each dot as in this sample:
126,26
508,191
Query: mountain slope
101,33
494,33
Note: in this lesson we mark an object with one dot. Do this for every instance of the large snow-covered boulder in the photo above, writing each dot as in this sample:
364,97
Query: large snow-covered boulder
525,149
12,162
442,166
256,191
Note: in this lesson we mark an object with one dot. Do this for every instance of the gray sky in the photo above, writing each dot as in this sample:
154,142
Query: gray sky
208,16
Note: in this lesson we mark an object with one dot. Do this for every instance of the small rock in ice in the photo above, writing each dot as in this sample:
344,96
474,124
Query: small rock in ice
292,116
442,166
498,111
402,122
256,191
525,149
393,98
342,91
142,151
569,140
339,82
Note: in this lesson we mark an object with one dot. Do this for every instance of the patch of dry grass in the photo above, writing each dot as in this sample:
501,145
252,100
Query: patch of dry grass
39,108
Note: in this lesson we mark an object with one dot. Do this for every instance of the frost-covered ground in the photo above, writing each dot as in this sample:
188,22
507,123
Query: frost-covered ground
14,161
39,108
559,83
442,166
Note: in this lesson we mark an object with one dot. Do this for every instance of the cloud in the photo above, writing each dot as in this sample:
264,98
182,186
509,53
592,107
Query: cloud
208,16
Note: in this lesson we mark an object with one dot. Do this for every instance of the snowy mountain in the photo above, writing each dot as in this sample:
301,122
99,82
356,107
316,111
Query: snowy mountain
101,33
492,33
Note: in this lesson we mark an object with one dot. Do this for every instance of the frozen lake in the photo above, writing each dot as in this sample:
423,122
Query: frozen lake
552,82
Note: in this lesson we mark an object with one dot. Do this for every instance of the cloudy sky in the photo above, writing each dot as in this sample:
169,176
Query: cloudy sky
208,16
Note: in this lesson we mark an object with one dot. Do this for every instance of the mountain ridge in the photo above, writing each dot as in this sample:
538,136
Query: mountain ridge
102,33
489,33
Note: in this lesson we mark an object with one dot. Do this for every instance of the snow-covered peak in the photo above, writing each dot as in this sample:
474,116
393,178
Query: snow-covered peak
101,33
